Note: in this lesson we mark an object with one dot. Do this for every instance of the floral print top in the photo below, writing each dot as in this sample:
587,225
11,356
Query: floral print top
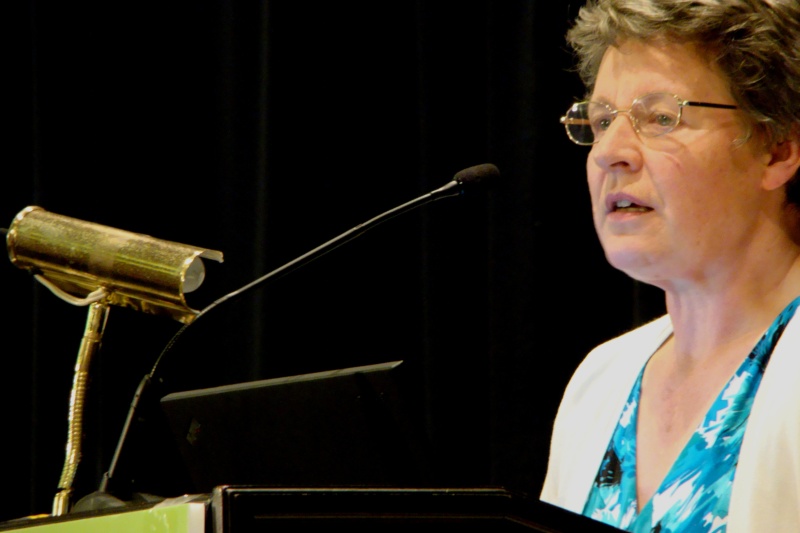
694,495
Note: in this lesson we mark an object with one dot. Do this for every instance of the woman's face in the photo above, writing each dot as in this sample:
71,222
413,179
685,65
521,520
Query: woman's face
679,207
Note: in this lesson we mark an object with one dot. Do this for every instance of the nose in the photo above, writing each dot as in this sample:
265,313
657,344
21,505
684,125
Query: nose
620,146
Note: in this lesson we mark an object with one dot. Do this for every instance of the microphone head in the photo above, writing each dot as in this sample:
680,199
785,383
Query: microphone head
477,174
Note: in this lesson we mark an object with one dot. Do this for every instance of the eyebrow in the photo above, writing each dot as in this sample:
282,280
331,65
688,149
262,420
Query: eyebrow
601,101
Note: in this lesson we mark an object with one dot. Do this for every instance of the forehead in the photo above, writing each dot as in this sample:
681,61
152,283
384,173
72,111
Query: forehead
633,68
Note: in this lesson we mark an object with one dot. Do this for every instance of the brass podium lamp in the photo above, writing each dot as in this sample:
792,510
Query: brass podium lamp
97,266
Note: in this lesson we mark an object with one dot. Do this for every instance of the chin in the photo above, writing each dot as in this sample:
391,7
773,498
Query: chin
635,264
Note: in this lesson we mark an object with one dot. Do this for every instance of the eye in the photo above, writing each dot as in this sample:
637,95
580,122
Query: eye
664,120
601,122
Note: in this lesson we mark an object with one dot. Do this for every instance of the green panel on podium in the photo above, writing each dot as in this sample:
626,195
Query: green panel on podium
179,518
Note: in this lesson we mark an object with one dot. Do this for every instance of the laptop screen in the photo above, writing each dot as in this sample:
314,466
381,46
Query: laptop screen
345,427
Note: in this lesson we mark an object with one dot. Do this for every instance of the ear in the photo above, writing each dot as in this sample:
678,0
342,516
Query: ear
784,160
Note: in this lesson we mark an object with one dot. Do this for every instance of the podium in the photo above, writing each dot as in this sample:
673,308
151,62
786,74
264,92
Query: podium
253,509
242,509
172,517
338,451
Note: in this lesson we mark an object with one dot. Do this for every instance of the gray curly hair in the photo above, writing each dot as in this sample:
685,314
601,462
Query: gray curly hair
755,43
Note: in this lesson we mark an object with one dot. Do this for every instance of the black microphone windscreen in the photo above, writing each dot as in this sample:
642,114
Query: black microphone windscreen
477,174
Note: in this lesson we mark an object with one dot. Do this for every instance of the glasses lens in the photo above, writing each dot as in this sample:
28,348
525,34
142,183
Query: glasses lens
578,124
656,114
600,118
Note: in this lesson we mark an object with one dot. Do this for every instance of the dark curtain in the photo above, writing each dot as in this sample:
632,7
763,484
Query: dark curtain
263,129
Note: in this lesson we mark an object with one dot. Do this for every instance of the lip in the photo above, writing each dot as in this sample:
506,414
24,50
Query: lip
612,199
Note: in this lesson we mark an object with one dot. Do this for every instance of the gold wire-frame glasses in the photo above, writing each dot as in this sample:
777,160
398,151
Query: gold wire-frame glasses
652,115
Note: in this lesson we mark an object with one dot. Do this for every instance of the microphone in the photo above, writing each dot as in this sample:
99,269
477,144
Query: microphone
475,175
463,180
469,177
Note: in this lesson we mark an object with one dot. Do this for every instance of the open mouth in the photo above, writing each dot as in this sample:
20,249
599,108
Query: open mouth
626,206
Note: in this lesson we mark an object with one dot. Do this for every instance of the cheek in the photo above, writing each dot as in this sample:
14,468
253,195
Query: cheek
594,181
705,185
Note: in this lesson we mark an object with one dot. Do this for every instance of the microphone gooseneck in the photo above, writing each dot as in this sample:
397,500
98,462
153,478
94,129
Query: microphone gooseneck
466,178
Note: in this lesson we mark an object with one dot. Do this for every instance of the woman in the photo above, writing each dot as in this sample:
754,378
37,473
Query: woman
691,422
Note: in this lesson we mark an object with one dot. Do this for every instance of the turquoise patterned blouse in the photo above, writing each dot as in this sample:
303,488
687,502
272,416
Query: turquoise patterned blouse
694,495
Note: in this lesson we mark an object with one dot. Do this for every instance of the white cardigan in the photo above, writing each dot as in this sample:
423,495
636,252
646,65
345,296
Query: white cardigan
766,489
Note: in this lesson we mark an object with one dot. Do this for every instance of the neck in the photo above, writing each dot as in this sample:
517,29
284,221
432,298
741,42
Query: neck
712,317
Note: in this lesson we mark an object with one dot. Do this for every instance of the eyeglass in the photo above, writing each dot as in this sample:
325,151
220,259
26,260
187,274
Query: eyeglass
652,115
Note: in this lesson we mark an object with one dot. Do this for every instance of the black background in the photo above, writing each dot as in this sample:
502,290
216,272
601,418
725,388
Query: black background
265,128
